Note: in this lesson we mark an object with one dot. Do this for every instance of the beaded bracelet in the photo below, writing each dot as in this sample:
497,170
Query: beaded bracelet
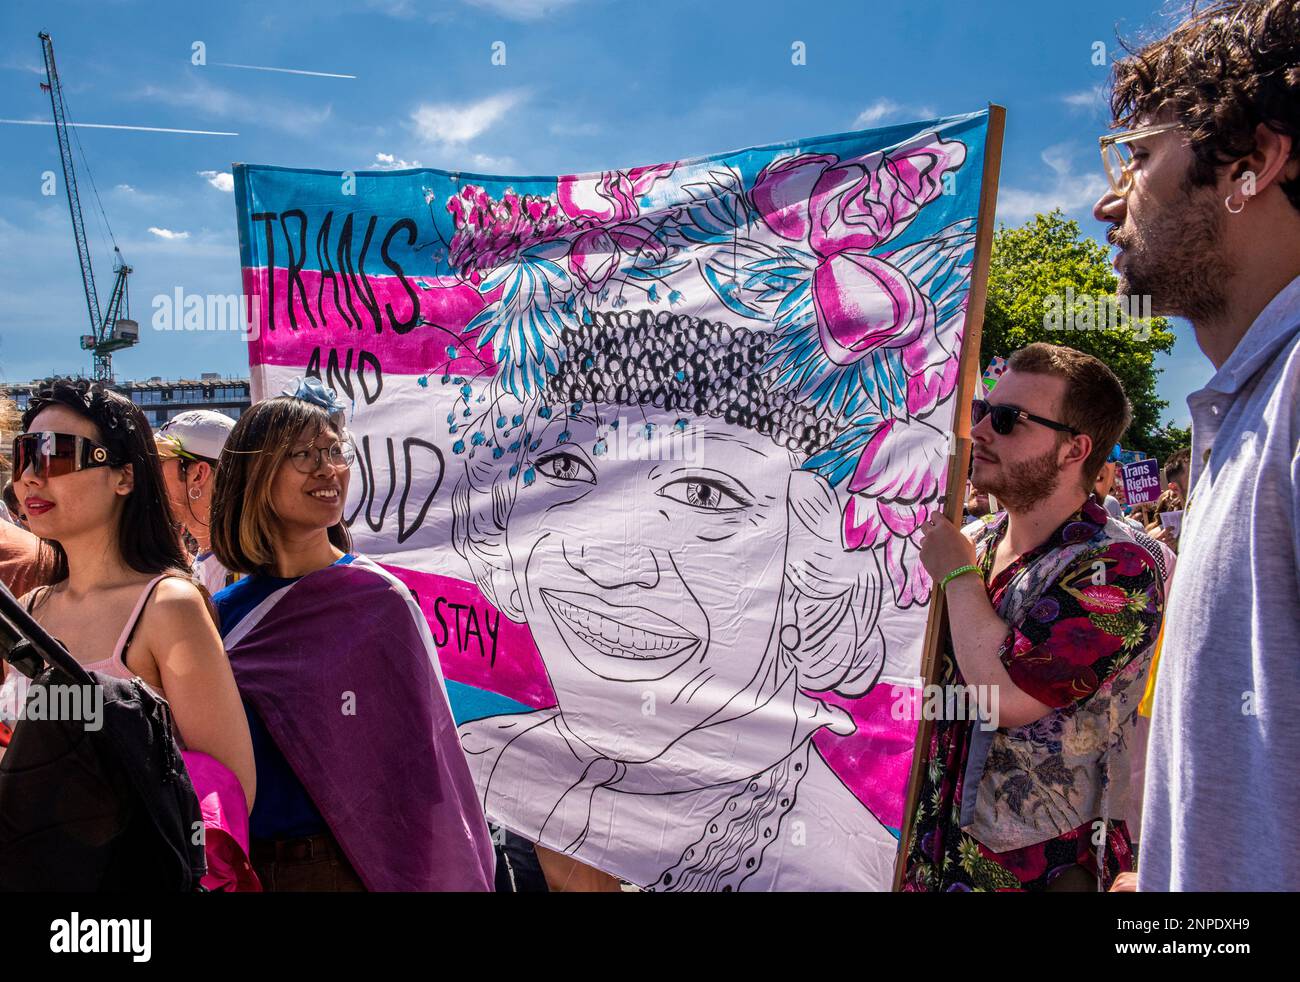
956,573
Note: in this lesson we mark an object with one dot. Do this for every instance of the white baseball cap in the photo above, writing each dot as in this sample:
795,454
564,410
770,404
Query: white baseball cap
194,433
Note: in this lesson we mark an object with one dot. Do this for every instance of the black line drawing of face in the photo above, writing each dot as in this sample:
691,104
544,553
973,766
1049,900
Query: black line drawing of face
649,585
680,588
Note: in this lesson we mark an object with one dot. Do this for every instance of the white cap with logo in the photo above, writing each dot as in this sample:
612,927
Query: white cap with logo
194,433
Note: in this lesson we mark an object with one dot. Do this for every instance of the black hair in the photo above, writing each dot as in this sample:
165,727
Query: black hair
682,364
146,535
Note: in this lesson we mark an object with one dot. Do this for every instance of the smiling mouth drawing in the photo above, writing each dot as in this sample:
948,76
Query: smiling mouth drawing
619,642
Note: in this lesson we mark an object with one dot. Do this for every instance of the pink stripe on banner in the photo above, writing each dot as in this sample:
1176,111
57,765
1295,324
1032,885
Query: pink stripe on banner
446,307
477,645
874,761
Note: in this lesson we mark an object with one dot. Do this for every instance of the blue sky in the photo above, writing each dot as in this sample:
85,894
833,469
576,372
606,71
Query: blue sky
586,85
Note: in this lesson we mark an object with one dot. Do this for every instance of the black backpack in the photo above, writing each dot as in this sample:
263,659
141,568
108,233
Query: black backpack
104,807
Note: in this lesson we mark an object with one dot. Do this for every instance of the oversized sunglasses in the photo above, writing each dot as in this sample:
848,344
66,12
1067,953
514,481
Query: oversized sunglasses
1117,154
55,454
1004,418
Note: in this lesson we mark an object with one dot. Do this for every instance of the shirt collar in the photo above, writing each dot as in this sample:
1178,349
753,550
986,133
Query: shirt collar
1079,527
1275,326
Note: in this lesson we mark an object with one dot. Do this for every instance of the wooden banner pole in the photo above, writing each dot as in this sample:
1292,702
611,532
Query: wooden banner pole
959,464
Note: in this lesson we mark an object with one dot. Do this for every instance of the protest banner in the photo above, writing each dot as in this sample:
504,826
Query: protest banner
1141,482
653,449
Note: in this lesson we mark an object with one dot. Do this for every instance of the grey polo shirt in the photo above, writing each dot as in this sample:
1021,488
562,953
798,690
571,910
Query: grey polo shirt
1222,794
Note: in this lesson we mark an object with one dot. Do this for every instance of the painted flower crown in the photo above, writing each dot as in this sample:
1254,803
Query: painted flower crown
855,337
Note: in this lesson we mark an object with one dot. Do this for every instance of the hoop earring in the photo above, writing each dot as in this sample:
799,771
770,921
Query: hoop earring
1227,203
195,494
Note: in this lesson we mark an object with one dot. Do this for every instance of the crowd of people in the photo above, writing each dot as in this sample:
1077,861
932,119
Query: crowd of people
1147,658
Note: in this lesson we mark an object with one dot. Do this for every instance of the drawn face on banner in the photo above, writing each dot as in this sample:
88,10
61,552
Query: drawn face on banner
651,586
675,565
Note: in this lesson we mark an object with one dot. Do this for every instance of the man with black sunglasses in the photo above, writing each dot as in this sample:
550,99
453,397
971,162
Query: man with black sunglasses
1058,610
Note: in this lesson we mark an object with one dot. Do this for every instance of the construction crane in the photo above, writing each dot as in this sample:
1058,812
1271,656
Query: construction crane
111,328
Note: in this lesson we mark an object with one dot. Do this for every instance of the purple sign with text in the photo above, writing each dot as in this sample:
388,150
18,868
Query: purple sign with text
1142,482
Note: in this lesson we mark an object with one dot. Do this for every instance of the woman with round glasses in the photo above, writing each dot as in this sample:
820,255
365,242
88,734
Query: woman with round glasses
363,782
86,472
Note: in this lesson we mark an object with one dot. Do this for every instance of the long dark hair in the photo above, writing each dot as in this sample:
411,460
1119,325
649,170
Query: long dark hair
146,536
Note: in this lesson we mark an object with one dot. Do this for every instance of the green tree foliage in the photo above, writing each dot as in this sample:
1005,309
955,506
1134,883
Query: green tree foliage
1165,440
1032,268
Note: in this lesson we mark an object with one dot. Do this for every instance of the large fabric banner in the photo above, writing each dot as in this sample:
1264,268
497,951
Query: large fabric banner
652,448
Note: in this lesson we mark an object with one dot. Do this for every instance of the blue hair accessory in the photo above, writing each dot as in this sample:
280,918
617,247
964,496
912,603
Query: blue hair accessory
313,390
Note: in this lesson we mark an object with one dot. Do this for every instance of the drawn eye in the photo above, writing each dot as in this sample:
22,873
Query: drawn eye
566,467
703,494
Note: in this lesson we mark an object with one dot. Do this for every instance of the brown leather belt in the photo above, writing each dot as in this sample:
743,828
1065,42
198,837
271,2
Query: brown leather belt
304,850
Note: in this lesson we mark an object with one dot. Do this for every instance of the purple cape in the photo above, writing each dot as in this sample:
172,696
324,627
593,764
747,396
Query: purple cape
342,674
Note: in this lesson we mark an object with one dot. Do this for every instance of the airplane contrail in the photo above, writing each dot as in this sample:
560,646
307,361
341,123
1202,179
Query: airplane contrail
289,71
117,126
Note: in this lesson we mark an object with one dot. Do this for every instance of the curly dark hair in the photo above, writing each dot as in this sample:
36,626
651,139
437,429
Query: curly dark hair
1178,464
146,536
687,365
1226,69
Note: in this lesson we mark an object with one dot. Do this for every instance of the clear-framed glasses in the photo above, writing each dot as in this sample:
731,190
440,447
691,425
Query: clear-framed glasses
308,460
1117,154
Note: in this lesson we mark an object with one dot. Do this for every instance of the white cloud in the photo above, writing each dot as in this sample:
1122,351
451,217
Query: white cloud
523,9
1071,192
489,164
219,180
885,108
125,189
387,161
1092,99
212,100
575,129
877,111
449,123
166,233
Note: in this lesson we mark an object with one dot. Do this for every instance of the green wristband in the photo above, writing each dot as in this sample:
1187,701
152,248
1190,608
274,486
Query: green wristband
956,573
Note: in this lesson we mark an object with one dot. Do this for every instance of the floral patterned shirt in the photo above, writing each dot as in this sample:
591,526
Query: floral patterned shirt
1102,611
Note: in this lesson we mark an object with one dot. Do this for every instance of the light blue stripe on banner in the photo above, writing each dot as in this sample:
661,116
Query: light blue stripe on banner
469,703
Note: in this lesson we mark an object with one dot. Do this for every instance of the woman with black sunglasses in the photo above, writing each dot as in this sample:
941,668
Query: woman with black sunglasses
87,475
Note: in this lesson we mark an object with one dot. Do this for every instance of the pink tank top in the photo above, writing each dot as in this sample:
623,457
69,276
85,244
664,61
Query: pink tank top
115,664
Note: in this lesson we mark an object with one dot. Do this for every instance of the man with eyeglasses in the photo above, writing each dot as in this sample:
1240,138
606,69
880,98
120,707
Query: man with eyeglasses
1204,206
1058,609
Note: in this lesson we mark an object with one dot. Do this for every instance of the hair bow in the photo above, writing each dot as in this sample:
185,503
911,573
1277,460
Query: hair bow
315,391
